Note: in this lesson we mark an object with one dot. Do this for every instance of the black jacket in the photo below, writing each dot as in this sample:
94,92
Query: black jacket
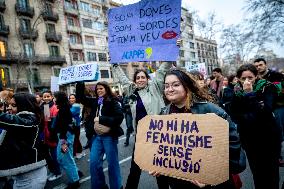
253,113
111,113
19,144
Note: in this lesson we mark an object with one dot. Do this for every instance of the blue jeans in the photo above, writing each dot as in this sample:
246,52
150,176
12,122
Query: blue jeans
101,145
66,160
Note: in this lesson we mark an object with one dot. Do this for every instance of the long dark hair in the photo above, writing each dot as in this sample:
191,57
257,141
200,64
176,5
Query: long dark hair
109,93
27,102
62,101
190,85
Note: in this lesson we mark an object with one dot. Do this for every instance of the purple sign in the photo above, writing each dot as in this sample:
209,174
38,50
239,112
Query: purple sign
145,31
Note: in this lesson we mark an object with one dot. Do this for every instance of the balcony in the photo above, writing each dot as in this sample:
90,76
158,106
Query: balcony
71,10
76,46
51,1
24,11
28,34
4,30
74,29
53,37
37,59
50,16
2,6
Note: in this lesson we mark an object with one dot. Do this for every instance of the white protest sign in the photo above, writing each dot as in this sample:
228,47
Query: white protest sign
82,72
197,67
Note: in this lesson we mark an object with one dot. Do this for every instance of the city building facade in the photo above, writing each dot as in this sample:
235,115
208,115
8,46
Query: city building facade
207,53
30,39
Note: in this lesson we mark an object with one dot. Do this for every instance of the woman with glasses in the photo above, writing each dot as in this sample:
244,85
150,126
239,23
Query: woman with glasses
252,109
184,96
145,98
21,156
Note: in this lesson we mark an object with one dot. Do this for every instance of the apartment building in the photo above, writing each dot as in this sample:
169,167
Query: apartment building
188,51
30,38
207,53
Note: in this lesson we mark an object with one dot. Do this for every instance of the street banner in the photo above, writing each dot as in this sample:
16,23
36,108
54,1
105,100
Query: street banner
144,31
201,67
184,146
82,72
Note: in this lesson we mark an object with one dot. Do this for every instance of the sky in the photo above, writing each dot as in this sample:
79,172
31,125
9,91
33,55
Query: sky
227,11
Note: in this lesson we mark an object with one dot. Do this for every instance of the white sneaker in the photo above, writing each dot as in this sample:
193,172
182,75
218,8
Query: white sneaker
79,156
54,177
104,157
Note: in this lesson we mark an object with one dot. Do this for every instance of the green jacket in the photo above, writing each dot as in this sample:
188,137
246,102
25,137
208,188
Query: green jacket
151,96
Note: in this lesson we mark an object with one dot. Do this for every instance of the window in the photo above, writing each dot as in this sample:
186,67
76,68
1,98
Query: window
25,25
56,71
23,3
54,50
89,40
5,76
70,21
192,54
98,26
181,53
85,6
87,23
2,48
102,56
50,28
36,76
91,56
72,38
191,45
104,73
28,49
48,8
77,55
190,36
69,5
96,10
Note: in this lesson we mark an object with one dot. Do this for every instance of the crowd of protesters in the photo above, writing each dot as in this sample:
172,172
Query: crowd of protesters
40,133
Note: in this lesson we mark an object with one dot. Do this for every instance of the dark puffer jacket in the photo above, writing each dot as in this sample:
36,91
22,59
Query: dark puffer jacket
19,144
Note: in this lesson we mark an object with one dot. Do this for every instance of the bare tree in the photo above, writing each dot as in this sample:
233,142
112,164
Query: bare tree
238,44
209,27
267,19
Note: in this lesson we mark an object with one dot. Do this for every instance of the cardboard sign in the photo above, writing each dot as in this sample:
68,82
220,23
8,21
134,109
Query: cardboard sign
82,72
197,67
145,31
184,146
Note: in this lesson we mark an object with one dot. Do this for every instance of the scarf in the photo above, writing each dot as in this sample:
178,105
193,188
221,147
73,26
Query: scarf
258,86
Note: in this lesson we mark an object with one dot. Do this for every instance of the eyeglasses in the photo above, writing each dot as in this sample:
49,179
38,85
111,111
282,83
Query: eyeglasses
175,85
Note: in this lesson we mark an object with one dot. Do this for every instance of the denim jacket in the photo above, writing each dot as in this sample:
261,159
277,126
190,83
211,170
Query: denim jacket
237,158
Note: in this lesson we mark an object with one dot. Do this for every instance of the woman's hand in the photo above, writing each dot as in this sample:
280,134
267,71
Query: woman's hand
64,148
154,173
195,182
96,119
247,86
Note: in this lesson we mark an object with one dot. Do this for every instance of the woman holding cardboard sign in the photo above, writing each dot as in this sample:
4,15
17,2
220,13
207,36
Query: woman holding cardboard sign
145,98
185,96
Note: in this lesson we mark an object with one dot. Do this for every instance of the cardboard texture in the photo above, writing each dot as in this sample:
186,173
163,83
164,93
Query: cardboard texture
180,157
